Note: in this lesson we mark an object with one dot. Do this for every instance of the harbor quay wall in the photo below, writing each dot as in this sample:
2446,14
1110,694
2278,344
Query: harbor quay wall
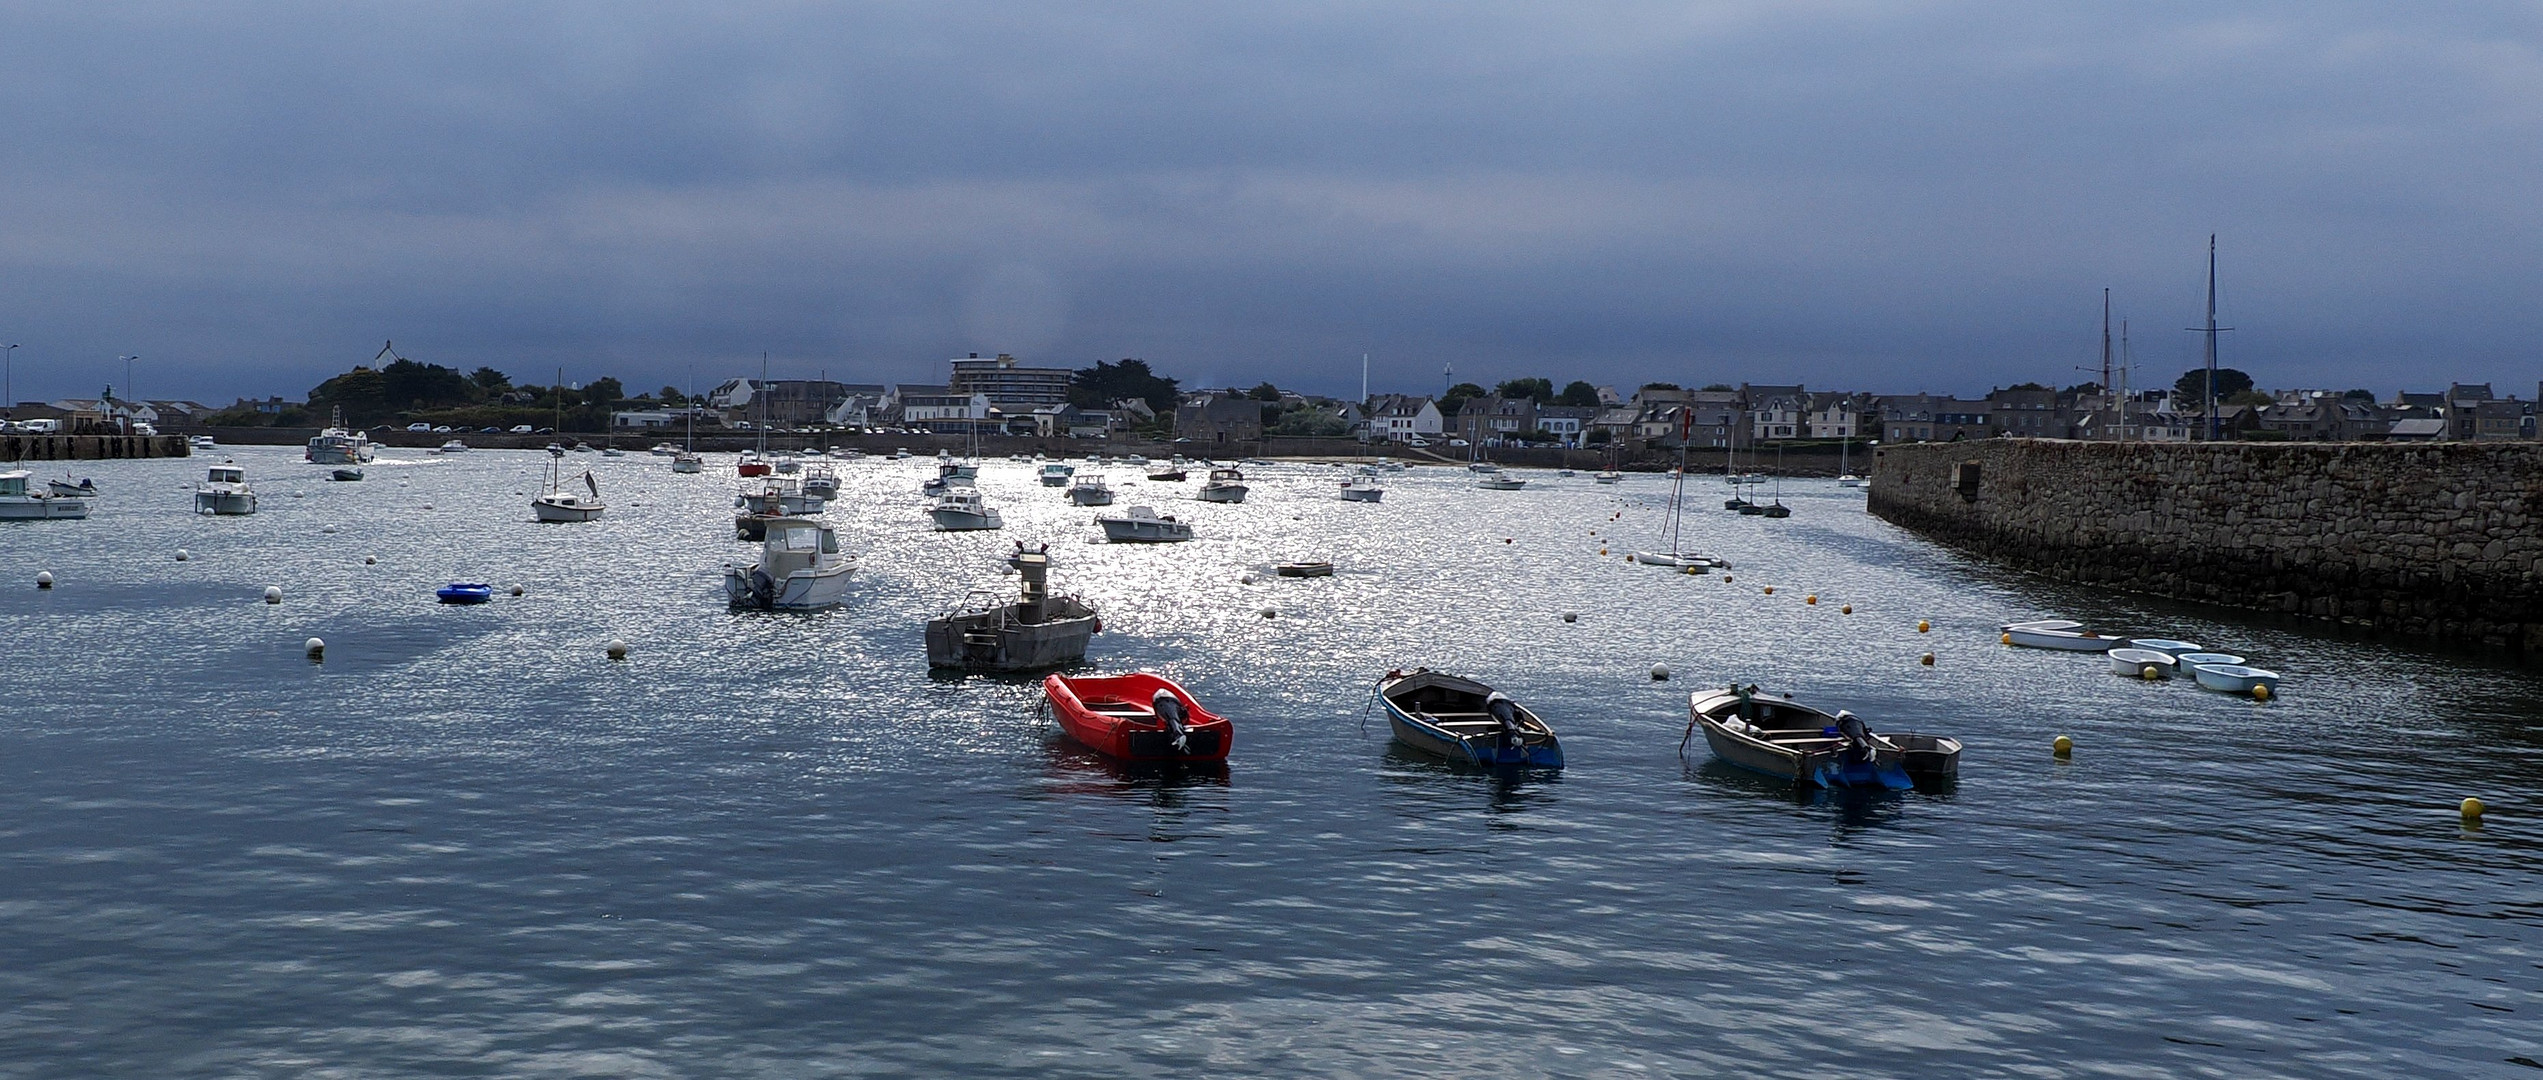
2434,540
90,447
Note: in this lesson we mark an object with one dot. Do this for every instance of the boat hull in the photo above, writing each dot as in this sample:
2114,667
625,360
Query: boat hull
463,593
1363,494
1811,759
996,641
1132,531
225,503
1221,493
2234,678
965,520
1111,716
42,508
2135,663
1683,560
2032,637
562,511
1091,496
1472,743
803,590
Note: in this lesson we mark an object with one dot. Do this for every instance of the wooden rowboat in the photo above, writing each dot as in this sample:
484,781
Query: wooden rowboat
1134,717
1781,738
1464,720
1303,569
2035,637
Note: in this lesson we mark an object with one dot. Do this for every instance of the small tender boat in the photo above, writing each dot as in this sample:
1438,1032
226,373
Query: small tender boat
799,569
685,461
2190,660
1038,630
1223,486
201,442
963,510
2035,637
612,451
2044,624
1499,481
85,489
1173,475
1464,720
1362,489
2142,664
1781,738
17,503
454,446
1317,568
224,491
581,447
1089,489
1687,560
1137,717
1144,525
899,453
2235,678
464,592
784,465
1609,476
663,449
751,464
1056,474
2165,645
1849,480
347,473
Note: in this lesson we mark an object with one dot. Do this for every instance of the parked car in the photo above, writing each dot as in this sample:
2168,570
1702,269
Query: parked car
490,429
521,429
424,428
140,427
441,429
1461,443
1418,443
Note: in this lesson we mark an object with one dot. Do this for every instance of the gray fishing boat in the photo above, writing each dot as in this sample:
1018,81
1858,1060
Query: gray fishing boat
1464,720
1037,631
1782,738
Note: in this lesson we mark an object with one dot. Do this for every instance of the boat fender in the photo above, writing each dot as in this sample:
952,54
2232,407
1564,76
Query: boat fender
1099,625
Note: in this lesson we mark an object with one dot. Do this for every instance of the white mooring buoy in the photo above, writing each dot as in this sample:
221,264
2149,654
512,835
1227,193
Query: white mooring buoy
1659,672
44,579
183,555
315,647
617,649
273,594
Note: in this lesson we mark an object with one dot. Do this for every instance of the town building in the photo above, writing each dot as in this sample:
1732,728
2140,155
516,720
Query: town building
1492,420
943,409
1219,419
1402,418
1776,412
1569,424
1012,387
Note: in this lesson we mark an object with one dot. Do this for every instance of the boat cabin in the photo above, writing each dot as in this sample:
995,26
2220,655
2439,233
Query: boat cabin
225,474
794,544
13,485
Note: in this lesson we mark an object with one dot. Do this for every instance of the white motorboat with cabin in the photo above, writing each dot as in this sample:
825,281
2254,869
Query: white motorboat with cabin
339,445
1223,486
1144,525
454,446
1607,476
201,442
820,480
662,449
1362,489
224,491
787,495
18,503
961,509
1089,489
800,568
1056,474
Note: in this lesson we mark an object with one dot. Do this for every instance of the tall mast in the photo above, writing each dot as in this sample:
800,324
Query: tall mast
2211,330
2123,379
2106,341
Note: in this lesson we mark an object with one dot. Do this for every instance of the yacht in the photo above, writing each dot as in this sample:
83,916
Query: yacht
664,450
687,461
820,480
799,569
1224,486
224,490
18,502
201,442
560,504
1056,475
1143,525
961,509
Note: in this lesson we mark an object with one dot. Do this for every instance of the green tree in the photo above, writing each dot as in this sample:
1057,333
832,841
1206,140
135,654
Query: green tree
1597,437
671,395
2192,385
1535,389
1315,422
1099,386
491,381
603,390
1264,392
1673,386
1710,388
2026,386
2366,396
361,393
1456,399
1578,393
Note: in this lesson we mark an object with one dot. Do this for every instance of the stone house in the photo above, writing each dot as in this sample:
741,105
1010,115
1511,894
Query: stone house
1569,424
1492,419
1776,412
1219,419
2026,413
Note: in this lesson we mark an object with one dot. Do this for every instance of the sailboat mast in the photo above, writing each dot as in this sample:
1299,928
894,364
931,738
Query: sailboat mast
2211,330
2105,341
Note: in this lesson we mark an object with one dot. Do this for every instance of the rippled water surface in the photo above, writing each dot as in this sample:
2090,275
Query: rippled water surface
468,843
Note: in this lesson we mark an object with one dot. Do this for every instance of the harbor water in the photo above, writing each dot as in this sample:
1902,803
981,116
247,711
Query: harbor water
469,843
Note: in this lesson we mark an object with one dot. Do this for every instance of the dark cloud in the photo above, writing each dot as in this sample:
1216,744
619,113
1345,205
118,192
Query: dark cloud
1887,196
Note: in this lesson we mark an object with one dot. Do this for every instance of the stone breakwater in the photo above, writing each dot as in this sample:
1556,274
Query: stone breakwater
2432,540
90,447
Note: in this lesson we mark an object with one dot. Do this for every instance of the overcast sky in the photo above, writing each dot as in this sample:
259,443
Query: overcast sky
1880,196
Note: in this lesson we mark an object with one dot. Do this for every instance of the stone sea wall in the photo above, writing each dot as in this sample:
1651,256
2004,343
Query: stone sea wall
89,447
2434,540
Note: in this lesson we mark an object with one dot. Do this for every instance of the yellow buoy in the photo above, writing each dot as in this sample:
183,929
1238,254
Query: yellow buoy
2062,746
2150,673
1602,551
1928,660
2472,809
1811,599
1923,627
2004,639
2260,692
1846,610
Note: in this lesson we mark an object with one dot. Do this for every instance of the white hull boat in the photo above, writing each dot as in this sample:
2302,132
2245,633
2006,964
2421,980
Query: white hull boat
1683,560
2235,678
2190,660
1223,486
1362,489
820,481
224,491
1849,480
19,504
1609,477
686,462
799,569
2044,624
559,505
1498,482
2166,646
2032,637
454,446
1090,490
2142,664
1056,475
1143,525
963,510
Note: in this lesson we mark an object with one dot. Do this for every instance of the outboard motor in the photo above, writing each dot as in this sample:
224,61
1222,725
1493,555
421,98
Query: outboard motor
1512,738
1857,736
763,589
1170,712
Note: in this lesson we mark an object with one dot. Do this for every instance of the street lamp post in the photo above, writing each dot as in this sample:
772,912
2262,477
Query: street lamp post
128,413
8,379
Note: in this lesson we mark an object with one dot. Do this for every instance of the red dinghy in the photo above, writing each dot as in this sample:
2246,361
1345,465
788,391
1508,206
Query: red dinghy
1117,715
